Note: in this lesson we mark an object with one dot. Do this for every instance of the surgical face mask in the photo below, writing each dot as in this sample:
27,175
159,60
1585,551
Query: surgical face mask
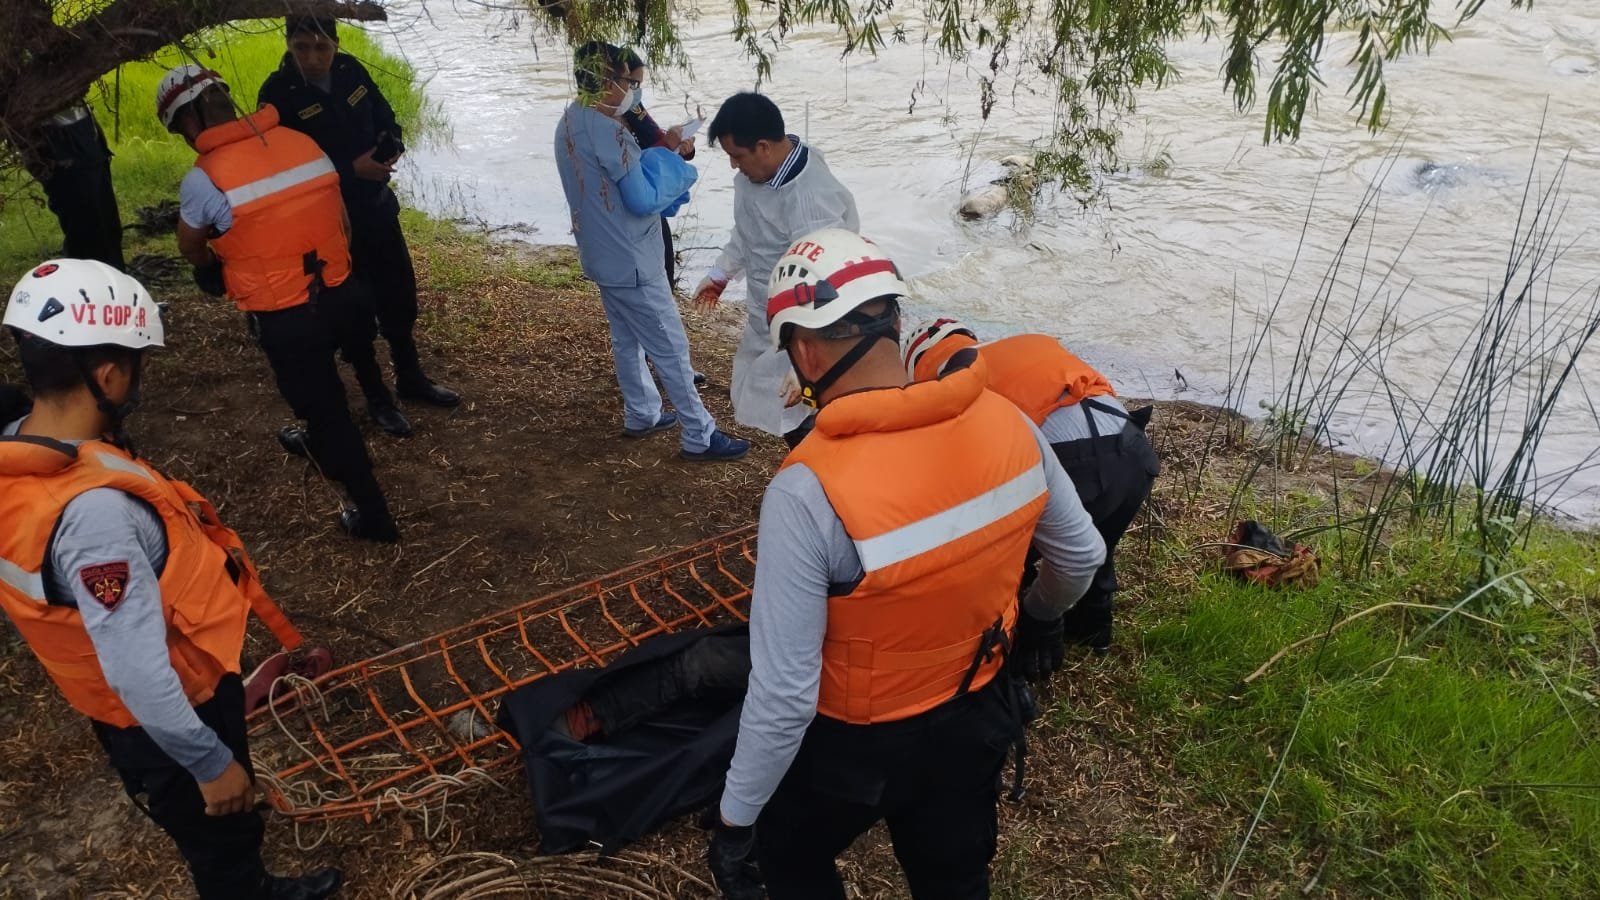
629,100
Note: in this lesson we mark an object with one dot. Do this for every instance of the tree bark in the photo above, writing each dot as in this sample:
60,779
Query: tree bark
46,67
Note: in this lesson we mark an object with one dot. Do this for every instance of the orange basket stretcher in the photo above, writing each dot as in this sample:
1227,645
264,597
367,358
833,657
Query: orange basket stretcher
395,730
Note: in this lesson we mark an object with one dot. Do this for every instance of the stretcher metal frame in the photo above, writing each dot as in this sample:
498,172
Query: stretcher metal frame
388,731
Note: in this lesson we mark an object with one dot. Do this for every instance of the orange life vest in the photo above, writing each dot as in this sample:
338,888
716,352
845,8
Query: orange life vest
208,585
284,194
1033,371
939,485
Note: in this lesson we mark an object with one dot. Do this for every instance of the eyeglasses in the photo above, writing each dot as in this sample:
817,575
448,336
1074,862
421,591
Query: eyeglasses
628,82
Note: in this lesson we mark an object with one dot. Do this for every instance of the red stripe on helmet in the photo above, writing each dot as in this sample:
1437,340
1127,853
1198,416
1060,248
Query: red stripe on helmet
189,82
927,333
794,296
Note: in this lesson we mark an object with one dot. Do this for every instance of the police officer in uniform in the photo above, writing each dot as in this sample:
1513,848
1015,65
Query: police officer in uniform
885,605
261,220
329,96
72,161
131,593
1099,443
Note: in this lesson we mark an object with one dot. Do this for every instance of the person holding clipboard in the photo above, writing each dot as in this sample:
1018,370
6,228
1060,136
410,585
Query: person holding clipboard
679,139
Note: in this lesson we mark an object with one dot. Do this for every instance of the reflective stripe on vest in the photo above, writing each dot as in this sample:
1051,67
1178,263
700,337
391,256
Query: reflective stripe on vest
952,524
277,184
29,584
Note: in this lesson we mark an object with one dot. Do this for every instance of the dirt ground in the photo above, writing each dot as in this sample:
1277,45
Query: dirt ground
526,487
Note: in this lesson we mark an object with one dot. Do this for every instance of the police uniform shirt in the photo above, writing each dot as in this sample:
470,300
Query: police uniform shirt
122,541
345,116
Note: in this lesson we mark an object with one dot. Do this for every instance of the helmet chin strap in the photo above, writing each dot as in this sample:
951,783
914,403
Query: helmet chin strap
116,413
872,330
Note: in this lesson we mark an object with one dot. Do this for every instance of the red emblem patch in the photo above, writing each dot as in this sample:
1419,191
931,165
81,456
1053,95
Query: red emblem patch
107,583
45,269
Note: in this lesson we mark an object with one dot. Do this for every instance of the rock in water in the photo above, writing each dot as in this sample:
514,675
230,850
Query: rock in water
981,203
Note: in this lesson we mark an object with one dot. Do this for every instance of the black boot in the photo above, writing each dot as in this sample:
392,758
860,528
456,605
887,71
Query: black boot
389,419
1089,626
414,385
294,441
370,525
315,886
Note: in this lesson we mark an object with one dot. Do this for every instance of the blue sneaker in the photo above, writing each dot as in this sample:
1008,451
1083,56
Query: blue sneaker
721,449
667,420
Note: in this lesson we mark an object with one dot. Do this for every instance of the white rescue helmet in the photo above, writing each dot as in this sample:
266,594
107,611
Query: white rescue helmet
84,303
180,87
823,277
915,344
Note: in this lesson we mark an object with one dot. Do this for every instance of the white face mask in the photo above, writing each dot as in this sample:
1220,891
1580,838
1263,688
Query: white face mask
629,100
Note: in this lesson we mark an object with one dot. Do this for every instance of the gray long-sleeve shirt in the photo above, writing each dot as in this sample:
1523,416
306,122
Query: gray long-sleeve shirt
803,548
106,527
1071,423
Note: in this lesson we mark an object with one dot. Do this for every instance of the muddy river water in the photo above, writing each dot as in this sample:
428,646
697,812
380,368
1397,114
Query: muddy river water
1169,273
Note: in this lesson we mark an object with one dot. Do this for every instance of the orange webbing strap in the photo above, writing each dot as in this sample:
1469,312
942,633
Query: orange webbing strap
270,614
276,622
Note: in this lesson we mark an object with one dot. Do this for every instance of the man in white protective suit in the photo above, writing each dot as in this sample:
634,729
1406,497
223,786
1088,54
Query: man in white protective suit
782,192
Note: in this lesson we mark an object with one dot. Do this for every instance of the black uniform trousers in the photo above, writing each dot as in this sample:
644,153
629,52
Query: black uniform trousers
1112,474
381,258
933,778
223,852
300,344
76,177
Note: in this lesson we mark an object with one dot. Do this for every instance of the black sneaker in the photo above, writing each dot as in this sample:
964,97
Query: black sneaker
388,418
699,380
379,529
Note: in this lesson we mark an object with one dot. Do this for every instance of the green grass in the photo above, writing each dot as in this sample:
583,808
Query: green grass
149,162
1461,764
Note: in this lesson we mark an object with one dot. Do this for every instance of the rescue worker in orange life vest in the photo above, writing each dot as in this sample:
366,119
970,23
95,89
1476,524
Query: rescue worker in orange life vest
128,589
328,96
260,218
1099,443
885,603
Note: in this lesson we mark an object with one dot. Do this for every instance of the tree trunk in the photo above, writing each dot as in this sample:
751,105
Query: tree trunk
46,67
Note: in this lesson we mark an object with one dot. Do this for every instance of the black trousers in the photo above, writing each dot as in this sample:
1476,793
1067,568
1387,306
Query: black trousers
1113,475
381,258
223,852
83,201
934,779
672,255
300,344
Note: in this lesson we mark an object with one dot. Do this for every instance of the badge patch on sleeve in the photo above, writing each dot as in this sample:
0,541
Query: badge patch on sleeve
107,583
